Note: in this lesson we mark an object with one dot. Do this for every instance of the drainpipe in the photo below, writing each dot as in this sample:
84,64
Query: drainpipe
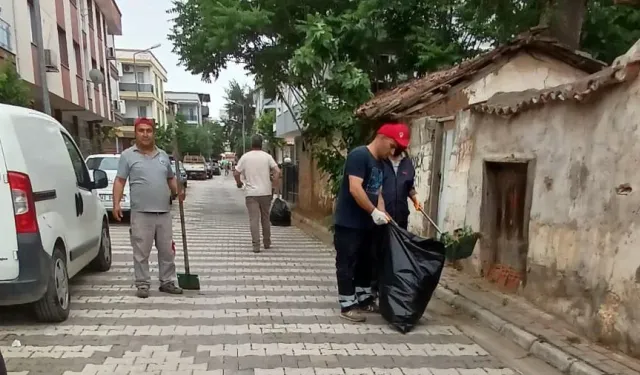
84,13
41,68
15,36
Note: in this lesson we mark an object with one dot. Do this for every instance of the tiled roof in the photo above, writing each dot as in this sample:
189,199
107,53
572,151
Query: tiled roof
415,95
511,103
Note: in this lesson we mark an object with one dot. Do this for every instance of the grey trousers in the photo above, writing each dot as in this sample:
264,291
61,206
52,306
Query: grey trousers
145,229
258,208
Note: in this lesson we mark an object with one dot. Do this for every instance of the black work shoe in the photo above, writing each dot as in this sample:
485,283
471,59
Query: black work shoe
142,293
170,289
353,315
256,249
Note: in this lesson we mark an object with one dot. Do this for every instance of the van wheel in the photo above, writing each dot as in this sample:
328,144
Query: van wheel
55,304
102,262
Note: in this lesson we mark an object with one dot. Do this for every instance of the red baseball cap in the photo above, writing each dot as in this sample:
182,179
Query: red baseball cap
397,132
143,121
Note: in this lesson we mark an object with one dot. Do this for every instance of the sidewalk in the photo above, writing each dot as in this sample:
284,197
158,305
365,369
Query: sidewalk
542,335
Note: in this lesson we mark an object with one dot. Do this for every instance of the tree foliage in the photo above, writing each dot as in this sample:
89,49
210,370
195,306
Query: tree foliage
13,90
206,140
240,108
335,54
264,127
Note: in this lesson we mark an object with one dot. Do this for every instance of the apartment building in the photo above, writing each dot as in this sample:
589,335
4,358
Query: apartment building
141,91
75,36
191,105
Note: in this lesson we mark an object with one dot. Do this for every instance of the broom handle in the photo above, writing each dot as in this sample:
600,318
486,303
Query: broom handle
432,223
182,225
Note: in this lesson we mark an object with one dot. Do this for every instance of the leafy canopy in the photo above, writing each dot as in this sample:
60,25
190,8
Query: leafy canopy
13,90
334,54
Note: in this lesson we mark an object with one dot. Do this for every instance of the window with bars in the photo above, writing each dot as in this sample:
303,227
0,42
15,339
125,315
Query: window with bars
64,51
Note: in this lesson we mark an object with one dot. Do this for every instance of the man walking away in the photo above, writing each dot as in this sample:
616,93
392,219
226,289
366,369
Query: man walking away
360,206
255,169
153,184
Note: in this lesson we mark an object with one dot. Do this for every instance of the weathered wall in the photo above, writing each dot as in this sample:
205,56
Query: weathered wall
583,261
314,192
520,73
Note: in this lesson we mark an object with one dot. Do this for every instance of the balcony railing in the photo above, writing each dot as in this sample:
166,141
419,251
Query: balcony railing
130,121
142,87
5,36
190,118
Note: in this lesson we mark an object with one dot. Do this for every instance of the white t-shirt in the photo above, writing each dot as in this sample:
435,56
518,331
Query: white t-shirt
255,168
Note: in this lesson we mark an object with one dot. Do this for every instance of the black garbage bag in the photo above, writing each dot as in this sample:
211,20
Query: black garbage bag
280,215
3,366
409,270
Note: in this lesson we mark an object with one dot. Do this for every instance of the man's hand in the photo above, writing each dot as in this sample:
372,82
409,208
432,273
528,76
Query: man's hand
117,212
182,195
416,203
379,217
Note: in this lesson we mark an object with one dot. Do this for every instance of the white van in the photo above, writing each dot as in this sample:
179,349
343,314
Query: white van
52,223
109,164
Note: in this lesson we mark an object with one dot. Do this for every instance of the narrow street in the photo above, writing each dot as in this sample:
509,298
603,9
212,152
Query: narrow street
272,313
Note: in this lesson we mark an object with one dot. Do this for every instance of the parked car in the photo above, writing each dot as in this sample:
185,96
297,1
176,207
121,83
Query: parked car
109,164
182,177
195,166
52,223
209,170
215,169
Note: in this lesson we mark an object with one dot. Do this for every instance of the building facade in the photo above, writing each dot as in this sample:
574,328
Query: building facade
191,105
142,69
76,57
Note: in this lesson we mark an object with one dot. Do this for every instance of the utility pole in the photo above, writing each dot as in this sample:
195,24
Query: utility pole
244,143
42,71
135,73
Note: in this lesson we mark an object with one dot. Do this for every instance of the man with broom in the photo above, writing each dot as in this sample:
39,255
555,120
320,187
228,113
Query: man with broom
359,208
153,183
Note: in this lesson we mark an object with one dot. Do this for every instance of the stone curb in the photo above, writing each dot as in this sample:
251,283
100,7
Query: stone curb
312,228
533,344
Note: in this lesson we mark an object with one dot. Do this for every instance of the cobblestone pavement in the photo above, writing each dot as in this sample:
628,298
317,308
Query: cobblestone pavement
272,313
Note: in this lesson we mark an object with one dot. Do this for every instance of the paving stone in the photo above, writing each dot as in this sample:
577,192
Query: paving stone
272,313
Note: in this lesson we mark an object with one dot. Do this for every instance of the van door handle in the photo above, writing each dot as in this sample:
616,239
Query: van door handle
81,200
77,196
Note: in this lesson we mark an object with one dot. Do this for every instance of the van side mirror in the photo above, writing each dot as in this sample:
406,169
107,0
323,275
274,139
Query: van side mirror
100,179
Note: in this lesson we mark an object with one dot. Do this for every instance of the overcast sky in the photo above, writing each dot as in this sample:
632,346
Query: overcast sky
145,23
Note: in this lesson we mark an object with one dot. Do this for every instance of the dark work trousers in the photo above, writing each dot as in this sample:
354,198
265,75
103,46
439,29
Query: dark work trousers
354,253
3,367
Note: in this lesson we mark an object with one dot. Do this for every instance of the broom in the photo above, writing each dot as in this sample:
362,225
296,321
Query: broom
186,280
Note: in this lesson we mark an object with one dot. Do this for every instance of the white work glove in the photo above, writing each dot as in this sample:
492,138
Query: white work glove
379,217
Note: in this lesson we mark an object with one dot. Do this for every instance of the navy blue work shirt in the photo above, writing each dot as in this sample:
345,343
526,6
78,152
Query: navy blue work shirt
360,163
396,188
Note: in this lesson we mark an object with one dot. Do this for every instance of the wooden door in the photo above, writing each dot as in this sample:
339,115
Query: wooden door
505,221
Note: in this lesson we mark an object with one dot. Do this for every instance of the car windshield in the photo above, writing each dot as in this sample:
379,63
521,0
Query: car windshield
105,163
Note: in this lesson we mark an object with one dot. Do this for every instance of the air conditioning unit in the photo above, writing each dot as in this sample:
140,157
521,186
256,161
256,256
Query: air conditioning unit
127,68
51,61
111,53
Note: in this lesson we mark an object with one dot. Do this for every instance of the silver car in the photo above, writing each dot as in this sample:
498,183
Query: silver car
109,164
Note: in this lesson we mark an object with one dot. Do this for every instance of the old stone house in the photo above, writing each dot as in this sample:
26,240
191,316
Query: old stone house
430,104
550,177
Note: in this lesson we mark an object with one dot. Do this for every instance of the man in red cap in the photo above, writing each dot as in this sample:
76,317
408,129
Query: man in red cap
359,208
152,183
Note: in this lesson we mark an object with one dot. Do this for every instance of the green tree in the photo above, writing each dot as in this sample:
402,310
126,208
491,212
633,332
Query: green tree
335,54
13,90
239,107
264,126
165,137
215,132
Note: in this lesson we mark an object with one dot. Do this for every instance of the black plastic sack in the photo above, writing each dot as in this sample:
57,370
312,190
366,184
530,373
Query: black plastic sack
280,215
409,269
3,367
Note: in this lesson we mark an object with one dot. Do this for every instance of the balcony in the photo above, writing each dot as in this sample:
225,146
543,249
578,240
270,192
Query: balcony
5,36
131,87
286,125
130,121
